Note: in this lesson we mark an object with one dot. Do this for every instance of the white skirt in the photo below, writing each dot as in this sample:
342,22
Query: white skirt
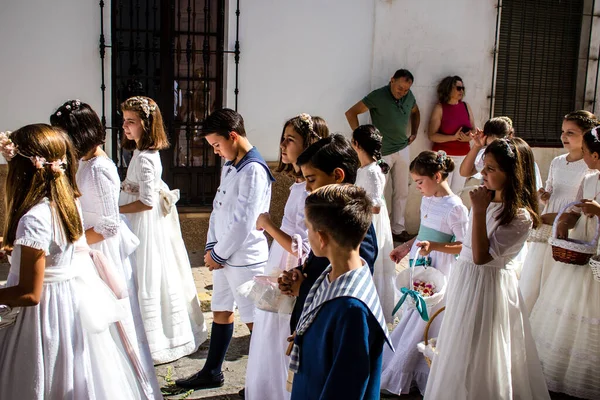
120,249
535,272
52,353
170,309
384,270
485,346
566,327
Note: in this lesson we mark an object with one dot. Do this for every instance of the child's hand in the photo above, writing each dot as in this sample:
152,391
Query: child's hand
562,229
480,198
400,252
425,247
478,138
544,195
290,281
210,263
263,221
589,207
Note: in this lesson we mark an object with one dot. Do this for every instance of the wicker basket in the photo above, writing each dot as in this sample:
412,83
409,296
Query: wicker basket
541,234
571,251
427,347
595,266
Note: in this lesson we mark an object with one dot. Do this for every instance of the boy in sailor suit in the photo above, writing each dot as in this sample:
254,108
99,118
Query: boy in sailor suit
339,340
235,250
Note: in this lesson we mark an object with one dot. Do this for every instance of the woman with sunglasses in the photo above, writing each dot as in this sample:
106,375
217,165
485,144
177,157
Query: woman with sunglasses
451,125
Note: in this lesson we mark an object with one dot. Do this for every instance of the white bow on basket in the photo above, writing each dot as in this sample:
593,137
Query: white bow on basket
168,199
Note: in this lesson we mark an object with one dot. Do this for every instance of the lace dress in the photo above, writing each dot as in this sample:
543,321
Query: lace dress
486,350
566,317
62,347
406,366
372,180
166,291
564,182
99,184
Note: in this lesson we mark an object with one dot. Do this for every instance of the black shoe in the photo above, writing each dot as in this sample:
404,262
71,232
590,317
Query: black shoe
242,393
402,237
201,380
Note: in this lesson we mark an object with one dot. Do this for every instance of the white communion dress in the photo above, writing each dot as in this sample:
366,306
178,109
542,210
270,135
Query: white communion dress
62,348
167,296
99,184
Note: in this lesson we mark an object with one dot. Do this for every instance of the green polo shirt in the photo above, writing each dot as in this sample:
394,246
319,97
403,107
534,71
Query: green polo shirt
391,117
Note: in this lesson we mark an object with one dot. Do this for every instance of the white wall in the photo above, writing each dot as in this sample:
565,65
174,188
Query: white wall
309,56
49,54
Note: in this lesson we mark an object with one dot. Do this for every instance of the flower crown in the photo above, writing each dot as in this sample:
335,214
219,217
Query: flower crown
69,106
141,104
594,132
9,150
307,119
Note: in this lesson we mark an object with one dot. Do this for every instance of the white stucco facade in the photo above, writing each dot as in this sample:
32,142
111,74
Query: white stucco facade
311,56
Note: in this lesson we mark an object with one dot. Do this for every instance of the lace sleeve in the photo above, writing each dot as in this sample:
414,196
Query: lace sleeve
106,184
148,194
373,185
507,240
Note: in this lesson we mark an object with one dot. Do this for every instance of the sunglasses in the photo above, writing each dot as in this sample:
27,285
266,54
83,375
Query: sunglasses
460,88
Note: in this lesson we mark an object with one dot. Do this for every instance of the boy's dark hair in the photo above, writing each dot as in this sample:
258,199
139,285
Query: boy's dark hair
428,163
330,153
82,125
445,88
368,138
222,122
342,211
404,73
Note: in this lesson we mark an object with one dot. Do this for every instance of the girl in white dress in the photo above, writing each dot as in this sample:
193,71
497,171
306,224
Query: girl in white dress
166,291
564,180
366,140
267,369
59,346
444,220
566,317
485,346
99,183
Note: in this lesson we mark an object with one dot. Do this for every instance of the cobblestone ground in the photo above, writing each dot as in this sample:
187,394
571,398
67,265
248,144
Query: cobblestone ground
237,356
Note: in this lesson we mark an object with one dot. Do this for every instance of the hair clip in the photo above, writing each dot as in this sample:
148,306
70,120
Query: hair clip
509,151
7,147
441,157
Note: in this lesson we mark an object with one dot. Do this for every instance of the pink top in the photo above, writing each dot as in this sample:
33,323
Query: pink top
454,116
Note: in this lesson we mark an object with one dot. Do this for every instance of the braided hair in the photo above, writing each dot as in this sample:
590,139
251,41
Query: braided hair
368,138
428,163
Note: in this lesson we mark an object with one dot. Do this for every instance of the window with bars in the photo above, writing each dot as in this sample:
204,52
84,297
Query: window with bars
172,51
538,63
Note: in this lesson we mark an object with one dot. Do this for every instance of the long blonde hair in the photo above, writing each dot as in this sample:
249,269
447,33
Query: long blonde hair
27,184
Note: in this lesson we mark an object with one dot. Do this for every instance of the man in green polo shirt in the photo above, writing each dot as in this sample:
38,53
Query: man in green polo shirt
391,108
